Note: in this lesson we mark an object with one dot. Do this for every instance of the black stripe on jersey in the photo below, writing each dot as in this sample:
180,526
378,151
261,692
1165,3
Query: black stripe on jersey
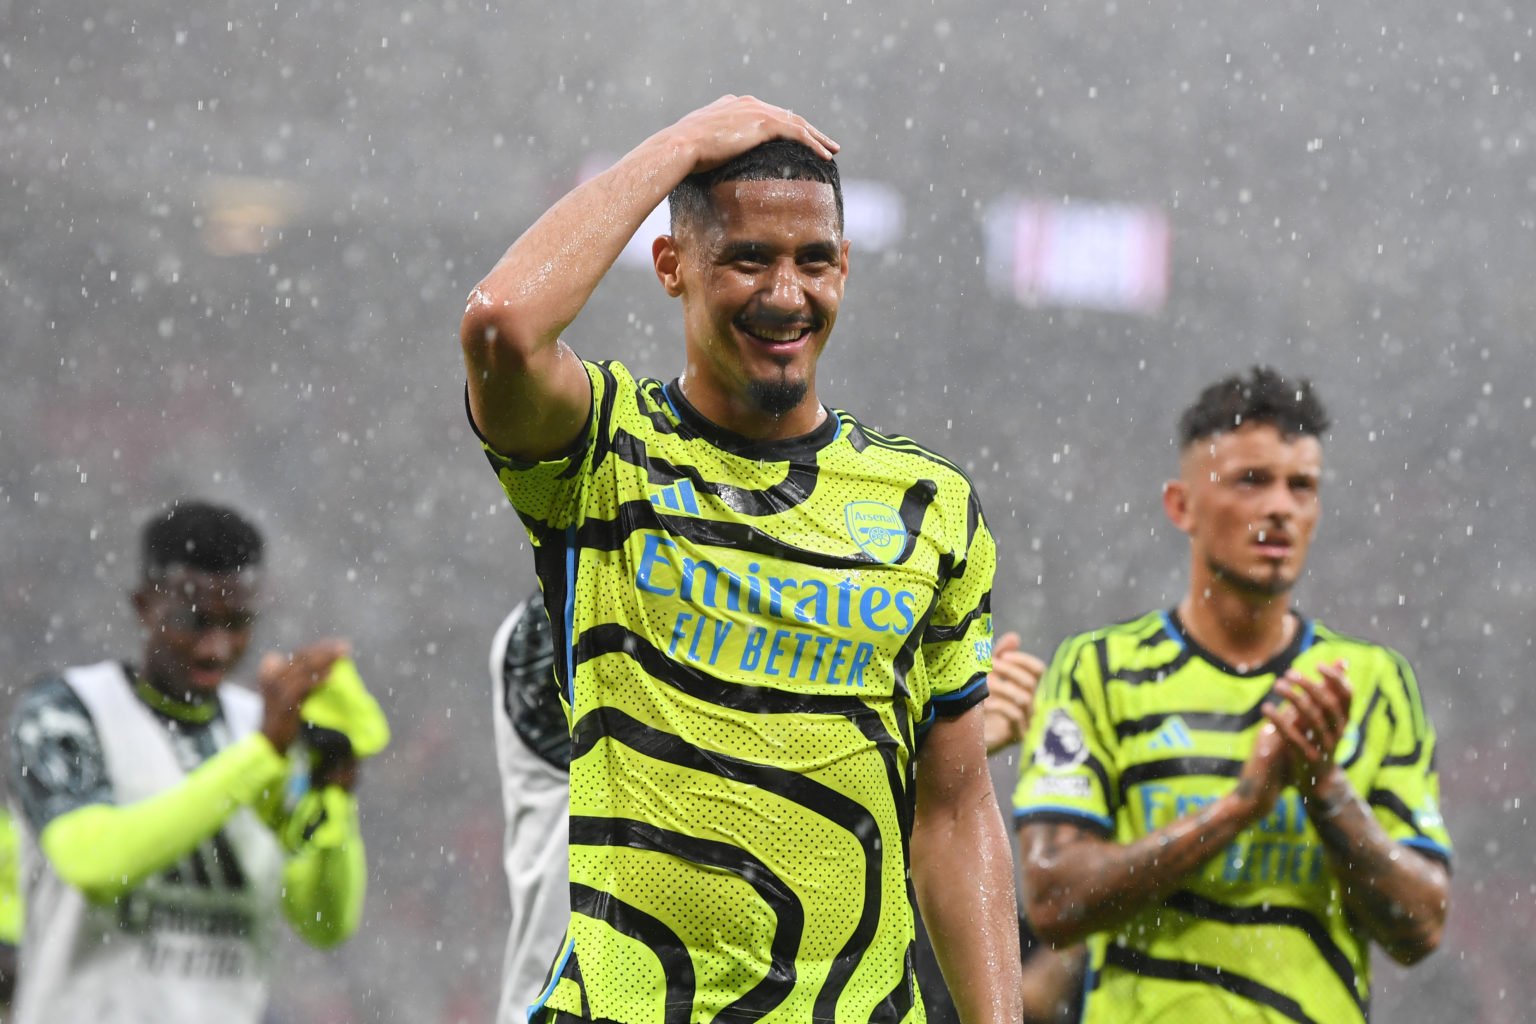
1187,902
947,634
788,785
899,1001
1127,959
610,535
1364,730
900,443
1204,721
642,927
604,415
613,638
1390,801
1141,676
1177,767
795,489
788,912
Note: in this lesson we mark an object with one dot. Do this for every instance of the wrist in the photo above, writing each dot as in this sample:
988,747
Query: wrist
1328,797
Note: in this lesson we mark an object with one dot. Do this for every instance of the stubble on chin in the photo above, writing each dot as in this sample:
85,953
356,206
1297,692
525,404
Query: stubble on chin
777,397
1274,584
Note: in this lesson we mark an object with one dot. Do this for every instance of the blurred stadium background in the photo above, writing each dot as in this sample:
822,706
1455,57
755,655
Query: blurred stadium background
235,241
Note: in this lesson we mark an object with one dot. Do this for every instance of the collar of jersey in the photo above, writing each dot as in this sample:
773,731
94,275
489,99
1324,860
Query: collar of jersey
785,450
193,714
1302,639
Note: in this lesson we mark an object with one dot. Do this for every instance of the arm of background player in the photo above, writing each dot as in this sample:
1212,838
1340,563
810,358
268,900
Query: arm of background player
528,392
962,869
1077,882
1398,893
1053,984
104,850
326,879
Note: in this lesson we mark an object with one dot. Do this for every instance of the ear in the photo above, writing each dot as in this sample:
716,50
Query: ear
1176,504
142,599
668,261
845,261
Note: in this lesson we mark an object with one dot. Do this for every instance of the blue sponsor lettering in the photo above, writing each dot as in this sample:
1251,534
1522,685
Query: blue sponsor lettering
814,601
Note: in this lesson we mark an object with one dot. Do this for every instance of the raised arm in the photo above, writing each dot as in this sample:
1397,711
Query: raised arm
962,871
1077,882
528,392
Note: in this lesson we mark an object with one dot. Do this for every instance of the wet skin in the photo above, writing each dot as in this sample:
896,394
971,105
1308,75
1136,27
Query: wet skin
761,284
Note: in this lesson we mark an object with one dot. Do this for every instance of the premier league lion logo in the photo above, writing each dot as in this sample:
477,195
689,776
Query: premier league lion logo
1062,747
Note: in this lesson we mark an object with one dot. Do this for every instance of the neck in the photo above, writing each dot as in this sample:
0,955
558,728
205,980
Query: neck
1240,629
740,416
186,706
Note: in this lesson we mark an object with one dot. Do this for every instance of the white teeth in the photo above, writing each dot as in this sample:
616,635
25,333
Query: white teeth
769,335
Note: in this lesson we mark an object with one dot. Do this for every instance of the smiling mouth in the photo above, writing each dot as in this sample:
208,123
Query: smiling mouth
769,334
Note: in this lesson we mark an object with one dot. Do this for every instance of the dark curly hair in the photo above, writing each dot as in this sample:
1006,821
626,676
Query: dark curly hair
1265,396
201,536
774,160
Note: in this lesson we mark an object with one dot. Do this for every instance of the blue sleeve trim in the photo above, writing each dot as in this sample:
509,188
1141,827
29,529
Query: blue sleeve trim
1056,809
1428,846
554,979
962,693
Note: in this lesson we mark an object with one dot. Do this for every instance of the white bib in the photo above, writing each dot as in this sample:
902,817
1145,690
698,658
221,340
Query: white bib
192,943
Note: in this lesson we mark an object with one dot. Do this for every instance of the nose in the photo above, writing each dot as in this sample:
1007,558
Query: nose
1279,503
785,290
216,643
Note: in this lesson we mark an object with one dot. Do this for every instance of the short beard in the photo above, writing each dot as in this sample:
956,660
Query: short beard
1275,586
777,397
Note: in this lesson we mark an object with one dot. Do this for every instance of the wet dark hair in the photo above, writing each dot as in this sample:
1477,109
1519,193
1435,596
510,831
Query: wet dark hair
1290,406
201,536
775,160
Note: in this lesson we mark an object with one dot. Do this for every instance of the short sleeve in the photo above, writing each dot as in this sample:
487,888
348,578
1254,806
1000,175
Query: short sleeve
547,494
957,643
1067,772
57,762
1405,794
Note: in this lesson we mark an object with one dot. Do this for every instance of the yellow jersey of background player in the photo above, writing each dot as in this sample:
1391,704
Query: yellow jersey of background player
1230,799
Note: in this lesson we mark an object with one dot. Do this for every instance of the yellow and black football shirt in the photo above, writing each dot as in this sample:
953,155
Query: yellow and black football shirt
1137,726
751,638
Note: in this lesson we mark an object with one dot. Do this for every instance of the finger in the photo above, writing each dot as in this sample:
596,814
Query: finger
1015,671
1034,664
1006,644
1291,732
1329,714
1309,717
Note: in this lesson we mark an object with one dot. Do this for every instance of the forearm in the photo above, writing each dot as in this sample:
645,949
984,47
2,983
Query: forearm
1076,884
971,914
1399,895
542,282
105,850
325,881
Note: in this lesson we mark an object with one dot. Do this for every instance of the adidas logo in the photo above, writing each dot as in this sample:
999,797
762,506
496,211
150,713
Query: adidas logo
1174,735
678,497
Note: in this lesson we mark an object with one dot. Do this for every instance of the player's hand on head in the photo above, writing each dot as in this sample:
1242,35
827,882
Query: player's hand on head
1011,686
732,125
286,679
1312,720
